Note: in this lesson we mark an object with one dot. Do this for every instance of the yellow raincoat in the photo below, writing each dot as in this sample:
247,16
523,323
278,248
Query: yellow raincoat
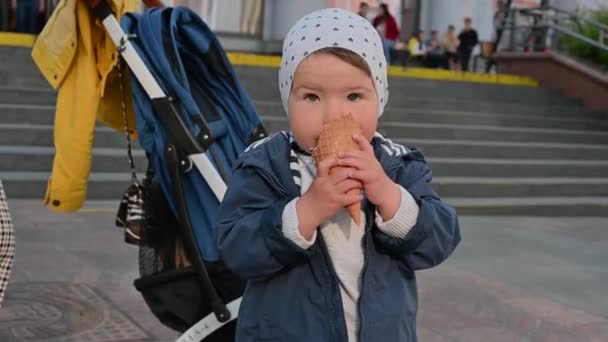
77,57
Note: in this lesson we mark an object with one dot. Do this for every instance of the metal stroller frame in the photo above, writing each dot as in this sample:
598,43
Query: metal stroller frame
183,153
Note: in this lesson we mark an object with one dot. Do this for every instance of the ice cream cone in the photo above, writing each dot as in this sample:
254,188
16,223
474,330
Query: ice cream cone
337,136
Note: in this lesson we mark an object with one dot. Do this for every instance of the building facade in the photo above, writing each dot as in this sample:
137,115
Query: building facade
261,25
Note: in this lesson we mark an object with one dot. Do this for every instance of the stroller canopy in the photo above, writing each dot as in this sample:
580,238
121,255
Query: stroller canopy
191,67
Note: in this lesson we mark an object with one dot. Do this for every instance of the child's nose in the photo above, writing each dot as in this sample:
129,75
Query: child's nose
334,110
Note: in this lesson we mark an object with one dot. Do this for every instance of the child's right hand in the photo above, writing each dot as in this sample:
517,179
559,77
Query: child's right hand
327,195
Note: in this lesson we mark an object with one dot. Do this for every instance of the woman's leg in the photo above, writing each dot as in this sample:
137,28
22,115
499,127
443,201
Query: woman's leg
4,14
465,56
33,16
444,62
388,45
26,16
21,16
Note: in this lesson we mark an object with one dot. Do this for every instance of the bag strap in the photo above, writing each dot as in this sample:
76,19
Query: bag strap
123,98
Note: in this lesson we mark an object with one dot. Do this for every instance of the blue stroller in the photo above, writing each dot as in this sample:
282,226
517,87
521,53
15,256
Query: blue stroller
193,121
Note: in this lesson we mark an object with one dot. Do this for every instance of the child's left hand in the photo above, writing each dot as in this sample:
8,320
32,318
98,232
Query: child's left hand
379,188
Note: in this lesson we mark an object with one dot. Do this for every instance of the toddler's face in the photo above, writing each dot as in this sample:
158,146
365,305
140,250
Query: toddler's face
326,87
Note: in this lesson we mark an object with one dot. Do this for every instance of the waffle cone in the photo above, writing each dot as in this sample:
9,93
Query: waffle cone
337,136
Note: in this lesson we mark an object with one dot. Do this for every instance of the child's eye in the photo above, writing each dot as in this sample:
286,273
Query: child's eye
354,97
311,97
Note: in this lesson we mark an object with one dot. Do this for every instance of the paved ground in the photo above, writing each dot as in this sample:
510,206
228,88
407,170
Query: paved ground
512,279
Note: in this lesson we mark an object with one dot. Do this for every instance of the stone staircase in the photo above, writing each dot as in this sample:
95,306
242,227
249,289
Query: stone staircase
494,150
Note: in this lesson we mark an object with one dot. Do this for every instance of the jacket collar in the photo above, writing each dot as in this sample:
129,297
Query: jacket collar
272,156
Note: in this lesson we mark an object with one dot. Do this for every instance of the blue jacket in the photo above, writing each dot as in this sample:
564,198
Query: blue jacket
292,294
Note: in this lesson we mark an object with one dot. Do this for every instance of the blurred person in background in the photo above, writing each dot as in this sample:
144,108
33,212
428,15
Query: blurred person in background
435,54
468,40
5,14
416,47
363,9
450,44
386,25
27,15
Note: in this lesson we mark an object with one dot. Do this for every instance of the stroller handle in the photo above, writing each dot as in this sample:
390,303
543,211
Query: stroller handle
103,11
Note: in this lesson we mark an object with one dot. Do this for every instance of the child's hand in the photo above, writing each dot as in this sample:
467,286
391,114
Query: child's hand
326,196
379,188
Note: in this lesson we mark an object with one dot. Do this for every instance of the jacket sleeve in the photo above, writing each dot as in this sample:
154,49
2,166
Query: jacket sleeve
436,232
249,229
395,27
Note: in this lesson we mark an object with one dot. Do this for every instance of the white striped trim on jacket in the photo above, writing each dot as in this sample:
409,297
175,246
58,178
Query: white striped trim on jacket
393,150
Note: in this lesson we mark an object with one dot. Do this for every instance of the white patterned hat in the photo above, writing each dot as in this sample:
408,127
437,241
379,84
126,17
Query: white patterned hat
333,27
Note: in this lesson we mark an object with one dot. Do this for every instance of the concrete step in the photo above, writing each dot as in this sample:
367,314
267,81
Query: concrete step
440,116
18,158
110,186
494,149
16,53
484,106
507,150
38,158
42,135
408,104
28,96
532,206
18,60
44,114
413,130
517,168
28,184
496,107
407,126
32,112
18,69
250,76
401,97
22,79
39,114
493,119
488,187
493,133
22,72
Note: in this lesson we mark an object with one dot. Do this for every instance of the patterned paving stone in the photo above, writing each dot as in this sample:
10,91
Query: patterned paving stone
64,312
463,306
511,279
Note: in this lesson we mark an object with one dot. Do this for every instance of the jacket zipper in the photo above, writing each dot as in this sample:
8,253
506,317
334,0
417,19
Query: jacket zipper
334,277
368,226
332,313
278,187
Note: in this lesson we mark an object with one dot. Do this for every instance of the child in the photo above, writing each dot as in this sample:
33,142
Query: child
312,273
450,43
468,40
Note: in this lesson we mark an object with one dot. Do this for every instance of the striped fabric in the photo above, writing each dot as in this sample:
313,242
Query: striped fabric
7,243
391,148
294,162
